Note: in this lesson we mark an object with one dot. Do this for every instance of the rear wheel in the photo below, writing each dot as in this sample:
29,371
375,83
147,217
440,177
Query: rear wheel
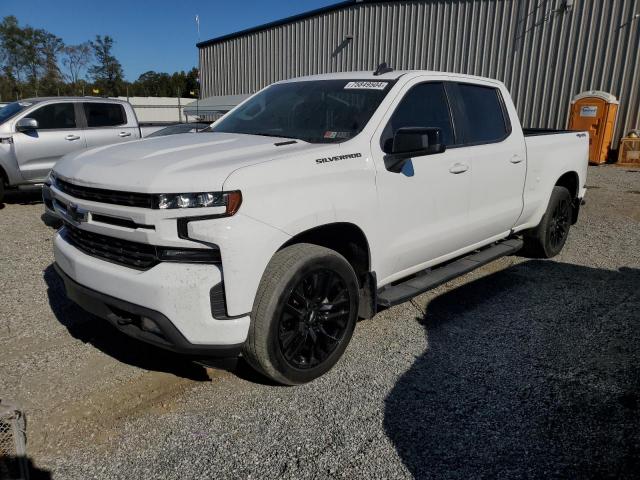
1,188
304,314
549,237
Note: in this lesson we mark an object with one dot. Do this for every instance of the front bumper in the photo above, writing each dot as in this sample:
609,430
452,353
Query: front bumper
176,296
127,317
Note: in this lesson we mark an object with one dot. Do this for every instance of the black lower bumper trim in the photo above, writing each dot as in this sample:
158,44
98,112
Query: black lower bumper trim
127,317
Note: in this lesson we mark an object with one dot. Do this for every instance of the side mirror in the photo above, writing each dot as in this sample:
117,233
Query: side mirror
409,142
26,124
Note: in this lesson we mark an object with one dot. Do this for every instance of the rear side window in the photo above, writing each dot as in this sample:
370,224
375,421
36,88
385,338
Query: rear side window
425,105
104,114
484,114
55,116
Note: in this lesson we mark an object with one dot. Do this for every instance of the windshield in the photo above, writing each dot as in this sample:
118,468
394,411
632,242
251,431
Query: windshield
319,111
10,110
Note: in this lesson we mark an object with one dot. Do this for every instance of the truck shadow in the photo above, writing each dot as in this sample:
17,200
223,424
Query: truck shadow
99,333
533,371
12,467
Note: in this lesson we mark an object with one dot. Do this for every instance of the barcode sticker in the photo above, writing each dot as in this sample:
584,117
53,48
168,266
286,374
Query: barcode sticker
366,85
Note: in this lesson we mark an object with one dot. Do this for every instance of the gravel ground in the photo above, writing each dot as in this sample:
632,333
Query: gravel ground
524,368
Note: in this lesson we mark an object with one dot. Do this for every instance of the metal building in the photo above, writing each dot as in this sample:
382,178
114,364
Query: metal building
545,51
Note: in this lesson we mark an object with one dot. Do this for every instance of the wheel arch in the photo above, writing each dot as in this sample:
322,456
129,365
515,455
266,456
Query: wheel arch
571,181
344,237
351,242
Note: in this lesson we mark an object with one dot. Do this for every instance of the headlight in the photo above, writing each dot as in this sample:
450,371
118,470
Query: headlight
230,200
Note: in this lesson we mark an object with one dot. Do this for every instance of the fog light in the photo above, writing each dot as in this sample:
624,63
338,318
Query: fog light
149,325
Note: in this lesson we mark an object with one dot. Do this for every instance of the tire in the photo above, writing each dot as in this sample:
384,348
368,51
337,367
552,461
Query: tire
549,237
304,314
1,188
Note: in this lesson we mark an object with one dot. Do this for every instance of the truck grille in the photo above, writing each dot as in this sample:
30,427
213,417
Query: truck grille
129,199
136,255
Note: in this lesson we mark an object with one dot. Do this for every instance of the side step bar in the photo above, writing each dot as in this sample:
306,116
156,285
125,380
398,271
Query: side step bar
431,278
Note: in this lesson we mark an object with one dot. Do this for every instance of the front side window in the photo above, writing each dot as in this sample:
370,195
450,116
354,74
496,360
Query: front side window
104,114
425,105
316,111
483,112
55,116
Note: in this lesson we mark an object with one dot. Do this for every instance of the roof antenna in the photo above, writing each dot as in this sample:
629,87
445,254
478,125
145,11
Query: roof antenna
383,68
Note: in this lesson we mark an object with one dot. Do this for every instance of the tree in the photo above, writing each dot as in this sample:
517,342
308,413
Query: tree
31,55
107,72
49,52
75,60
11,54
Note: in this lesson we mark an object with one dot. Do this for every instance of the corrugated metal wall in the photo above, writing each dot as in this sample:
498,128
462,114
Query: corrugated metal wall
543,52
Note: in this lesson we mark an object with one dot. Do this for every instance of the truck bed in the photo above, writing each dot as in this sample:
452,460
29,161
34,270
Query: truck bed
551,154
533,132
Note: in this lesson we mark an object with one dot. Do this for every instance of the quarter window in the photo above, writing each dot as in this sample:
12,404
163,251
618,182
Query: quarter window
104,114
425,105
485,119
55,116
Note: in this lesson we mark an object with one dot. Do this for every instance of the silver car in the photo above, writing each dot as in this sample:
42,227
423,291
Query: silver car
35,133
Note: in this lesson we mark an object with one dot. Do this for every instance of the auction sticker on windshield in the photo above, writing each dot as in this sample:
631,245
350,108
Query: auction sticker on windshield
366,85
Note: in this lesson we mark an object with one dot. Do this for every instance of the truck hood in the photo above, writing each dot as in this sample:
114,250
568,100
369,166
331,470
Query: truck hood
175,163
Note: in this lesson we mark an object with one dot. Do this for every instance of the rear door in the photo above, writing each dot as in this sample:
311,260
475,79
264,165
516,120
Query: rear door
58,133
108,123
497,153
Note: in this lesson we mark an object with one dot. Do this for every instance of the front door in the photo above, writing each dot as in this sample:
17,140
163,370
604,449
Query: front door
57,134
423,209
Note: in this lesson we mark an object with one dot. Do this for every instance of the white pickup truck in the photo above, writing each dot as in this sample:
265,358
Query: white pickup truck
315,202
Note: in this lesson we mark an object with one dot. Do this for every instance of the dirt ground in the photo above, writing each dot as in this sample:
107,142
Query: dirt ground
102,405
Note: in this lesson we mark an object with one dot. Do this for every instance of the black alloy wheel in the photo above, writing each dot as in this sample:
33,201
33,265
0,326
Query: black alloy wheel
560,223
548,238
304,314
314,319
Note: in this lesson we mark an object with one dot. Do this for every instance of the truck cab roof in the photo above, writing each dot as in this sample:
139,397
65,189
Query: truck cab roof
388,76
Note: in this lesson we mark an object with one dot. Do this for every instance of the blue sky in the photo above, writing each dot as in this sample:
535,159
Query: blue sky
151,35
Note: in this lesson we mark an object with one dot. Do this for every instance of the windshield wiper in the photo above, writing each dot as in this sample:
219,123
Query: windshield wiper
264,134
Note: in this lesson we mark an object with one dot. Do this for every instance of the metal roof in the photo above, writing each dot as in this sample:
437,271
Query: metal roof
284,21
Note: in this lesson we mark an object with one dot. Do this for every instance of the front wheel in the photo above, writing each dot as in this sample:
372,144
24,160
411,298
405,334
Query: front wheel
304,314
549,237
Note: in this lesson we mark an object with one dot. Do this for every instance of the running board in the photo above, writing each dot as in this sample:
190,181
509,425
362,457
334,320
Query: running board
431,278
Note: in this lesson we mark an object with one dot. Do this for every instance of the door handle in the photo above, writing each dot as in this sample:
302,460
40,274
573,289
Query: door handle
457,168
71,138
516,159
124,134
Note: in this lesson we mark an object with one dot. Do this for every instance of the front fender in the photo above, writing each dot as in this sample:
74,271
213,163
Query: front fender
9,163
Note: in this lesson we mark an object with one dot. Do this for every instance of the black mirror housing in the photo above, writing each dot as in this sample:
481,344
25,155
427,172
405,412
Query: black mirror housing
409,142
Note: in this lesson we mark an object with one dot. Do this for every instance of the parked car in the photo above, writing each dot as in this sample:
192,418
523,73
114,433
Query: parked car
35,133
316,201
179,128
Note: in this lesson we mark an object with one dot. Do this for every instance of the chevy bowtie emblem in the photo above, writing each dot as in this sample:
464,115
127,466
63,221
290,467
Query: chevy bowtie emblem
76,213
